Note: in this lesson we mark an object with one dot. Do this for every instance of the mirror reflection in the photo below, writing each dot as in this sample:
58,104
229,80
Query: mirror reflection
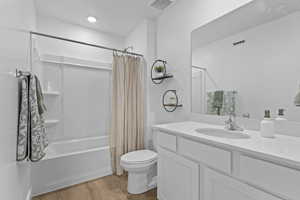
247,67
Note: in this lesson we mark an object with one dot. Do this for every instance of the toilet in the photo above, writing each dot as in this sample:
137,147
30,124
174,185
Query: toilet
141,166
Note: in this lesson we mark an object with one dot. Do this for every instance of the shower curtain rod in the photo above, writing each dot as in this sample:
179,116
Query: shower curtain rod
84,43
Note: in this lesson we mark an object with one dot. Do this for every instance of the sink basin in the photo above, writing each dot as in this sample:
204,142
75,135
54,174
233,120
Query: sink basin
222,133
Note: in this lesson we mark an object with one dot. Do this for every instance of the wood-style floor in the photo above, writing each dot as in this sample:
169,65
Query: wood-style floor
106,188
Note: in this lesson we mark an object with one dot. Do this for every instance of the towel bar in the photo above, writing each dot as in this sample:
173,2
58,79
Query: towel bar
20,73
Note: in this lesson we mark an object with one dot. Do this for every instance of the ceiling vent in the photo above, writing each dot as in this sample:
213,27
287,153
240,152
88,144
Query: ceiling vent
161,4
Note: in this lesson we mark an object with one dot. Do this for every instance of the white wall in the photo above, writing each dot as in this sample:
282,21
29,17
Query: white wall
143,41
257,69
59,28
174,29
198,95
18,16
138,38
173,44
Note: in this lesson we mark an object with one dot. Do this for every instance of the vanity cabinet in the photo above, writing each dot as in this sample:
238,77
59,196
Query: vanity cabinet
273,177
178,178
221,187
193,170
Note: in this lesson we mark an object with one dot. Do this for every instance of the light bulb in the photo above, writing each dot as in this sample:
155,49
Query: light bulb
92,19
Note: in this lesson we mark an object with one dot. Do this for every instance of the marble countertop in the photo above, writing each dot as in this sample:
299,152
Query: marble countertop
281,148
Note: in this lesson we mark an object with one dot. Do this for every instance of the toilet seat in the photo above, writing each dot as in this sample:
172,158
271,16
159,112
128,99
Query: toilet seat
141,157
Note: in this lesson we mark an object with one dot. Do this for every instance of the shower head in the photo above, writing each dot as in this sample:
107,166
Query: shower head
161,4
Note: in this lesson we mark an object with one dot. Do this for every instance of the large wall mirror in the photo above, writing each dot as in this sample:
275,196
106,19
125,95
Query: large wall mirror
248,61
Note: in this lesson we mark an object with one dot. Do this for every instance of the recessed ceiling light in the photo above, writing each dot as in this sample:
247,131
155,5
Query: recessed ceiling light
92,19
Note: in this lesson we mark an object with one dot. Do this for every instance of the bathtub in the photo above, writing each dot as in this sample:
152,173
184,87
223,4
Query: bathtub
71,162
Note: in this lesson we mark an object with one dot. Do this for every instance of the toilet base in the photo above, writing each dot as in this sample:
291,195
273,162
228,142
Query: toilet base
139,183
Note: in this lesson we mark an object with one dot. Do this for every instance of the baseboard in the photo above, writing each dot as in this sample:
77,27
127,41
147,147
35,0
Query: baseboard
28,196
72,181
160,195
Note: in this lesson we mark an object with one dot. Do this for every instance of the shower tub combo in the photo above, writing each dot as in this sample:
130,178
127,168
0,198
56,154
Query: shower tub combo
71,162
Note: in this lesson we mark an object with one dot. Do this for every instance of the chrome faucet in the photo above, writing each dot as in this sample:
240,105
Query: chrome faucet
231,123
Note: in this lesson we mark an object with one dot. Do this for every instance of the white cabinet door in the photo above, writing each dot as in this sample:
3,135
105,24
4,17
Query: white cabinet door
221,187
178,178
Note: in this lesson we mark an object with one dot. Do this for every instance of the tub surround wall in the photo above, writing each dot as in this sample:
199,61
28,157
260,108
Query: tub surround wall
75,154
78,149
64,77
71,81
18,17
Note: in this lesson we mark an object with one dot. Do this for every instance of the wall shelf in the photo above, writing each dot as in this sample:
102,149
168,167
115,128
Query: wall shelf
51,93
165,75
173,105
75,62
170,95
51,122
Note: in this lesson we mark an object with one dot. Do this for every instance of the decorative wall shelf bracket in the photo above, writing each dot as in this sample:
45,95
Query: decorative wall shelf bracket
159,72
170,101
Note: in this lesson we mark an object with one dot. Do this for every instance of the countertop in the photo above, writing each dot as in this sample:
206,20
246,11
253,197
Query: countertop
282,149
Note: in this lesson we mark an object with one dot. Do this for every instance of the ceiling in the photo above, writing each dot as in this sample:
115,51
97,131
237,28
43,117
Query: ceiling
113,16
253,14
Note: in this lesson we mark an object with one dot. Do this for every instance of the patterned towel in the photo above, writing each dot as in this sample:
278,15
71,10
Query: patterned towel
40,97
23,129
32,138
228,105
38,139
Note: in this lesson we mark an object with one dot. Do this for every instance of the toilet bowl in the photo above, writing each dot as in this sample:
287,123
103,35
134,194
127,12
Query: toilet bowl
141,167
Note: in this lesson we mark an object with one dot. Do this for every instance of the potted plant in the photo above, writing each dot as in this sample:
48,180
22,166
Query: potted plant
160,70
172,101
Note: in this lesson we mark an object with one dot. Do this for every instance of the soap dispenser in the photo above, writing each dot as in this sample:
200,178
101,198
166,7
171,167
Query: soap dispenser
280,120
267,126
280,116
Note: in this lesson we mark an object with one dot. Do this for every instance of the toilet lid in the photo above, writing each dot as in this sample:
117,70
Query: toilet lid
142,156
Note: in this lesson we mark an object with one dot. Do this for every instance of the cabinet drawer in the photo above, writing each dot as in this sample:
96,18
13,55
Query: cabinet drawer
167,141
275,178
217,158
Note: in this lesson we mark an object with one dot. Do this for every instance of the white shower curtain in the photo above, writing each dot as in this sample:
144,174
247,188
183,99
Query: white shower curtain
128,102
